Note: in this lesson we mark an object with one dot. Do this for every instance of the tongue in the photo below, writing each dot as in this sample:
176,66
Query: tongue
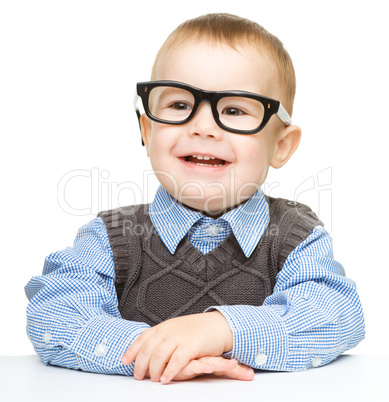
207,162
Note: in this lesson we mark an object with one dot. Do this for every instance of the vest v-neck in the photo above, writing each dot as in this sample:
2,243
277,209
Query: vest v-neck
205,266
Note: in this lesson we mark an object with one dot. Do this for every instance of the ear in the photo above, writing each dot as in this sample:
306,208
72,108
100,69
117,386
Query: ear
145,129
287,144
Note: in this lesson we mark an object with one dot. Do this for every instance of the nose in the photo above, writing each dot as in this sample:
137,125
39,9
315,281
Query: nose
203,123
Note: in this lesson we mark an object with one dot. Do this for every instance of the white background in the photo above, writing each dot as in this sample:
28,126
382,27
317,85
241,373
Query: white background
67,77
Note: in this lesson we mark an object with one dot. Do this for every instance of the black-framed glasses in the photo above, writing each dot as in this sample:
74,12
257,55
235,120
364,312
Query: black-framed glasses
239,112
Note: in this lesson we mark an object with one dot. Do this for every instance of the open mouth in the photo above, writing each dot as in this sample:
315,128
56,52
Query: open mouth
205,160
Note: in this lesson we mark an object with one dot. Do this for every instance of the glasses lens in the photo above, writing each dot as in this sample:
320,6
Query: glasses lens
240,113
170,103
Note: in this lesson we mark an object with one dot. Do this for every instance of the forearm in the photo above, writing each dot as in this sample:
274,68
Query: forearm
271,337
72,317
95,345
313,315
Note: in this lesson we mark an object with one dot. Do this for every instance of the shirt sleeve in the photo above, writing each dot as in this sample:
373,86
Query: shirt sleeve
72,316
312,316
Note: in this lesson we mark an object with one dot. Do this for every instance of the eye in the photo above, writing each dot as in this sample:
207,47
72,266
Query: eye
180,106
233,111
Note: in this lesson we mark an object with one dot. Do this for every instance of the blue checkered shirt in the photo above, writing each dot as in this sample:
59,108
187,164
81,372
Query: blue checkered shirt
312,316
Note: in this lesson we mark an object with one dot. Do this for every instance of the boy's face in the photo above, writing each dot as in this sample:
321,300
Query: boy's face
244,159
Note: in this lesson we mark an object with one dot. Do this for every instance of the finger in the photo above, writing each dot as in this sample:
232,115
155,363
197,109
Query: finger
179,359
209,364
222,364
193,369
205,365
198,366
240,372
219,363
142,360
131,353
160,359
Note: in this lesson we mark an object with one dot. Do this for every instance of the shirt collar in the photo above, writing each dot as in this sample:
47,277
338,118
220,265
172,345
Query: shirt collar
249,221
172,220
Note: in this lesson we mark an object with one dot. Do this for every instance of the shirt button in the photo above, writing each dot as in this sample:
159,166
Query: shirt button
212,230
101,350
47,337
260,359
316,362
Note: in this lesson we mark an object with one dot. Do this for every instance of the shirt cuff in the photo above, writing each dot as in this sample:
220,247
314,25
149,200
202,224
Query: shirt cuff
97,346
259,336
102,343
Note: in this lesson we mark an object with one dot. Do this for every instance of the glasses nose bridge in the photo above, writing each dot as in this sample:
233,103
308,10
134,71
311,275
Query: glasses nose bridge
209,97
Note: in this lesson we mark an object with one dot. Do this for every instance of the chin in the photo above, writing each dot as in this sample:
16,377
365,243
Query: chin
214,206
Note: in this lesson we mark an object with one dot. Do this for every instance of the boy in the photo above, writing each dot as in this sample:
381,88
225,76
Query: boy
213,276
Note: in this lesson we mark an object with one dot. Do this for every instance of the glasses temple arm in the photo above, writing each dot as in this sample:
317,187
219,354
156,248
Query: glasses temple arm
136,98
283,115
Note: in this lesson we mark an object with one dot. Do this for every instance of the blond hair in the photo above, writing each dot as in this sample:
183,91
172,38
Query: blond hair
234,30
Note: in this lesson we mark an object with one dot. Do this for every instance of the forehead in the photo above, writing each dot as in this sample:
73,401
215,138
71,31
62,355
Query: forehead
218,67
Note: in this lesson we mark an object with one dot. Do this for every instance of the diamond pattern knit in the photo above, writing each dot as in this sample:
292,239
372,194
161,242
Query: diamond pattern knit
153,285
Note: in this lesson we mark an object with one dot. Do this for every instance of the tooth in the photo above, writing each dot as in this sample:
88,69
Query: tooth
199,157
207,158
212,157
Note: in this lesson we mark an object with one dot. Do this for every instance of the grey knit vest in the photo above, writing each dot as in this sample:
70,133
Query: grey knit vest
153,285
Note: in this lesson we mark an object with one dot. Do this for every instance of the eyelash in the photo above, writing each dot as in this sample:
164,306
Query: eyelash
240,111
178,106
173,105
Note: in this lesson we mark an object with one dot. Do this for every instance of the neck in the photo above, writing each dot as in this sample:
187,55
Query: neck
212,214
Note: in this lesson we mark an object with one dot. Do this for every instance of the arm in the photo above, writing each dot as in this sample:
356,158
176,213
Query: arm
313,315
72,317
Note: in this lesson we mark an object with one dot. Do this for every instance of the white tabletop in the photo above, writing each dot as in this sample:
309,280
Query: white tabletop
349,378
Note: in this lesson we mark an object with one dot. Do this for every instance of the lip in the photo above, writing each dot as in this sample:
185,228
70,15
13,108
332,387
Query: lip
204,168
202,153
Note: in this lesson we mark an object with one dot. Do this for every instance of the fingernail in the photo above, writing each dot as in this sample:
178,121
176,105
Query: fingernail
125,360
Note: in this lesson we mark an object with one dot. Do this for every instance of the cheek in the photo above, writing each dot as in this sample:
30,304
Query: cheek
255,153
256,156
158,148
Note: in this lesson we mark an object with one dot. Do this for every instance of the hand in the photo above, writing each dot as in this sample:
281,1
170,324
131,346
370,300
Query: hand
164,350
215,365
